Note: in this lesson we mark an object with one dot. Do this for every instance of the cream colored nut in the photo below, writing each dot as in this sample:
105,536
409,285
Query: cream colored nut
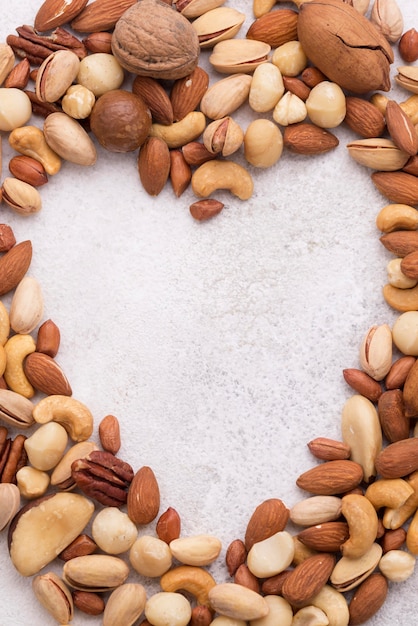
280,613
61,477
71,413
221,620
290,109
4,324
113,531
397,565
261,7
310,616
78,102
27,306
412,535
22,197
194,580
263,143
168,607
401,299
54,596
125,605
349,572
362,520
56,74
95,572
387,17
198,550
290,58
334,605
30,141
225,96
326,105
236,56
9,503
217,24
376,351
32,482
238,602
179,133
223,136
361,430
394,518
397,217
150,556
17,349
7,61
271,556
100,72
15,108
362,6
266,88
405,333
379,154
316,510
194,8
46,446
397,278
389,492
215,175
410,107
67,138
2,360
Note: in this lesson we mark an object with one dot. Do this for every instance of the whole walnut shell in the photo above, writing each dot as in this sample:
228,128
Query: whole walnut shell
153,39
120,120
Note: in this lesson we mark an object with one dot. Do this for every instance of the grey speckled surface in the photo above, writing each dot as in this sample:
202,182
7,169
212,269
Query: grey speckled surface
220,345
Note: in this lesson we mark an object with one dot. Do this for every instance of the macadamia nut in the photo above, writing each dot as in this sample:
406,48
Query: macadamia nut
405,333
46,446
113,531
150,556
100,72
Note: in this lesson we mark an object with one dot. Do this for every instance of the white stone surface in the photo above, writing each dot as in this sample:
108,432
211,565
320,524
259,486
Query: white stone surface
219,345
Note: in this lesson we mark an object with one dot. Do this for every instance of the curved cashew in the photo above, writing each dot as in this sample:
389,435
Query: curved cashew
72,414
2,360
179,133
389,492
410,107
363,524
401,299
397,217
4,324
17,349
334,605
412,535
195,580
214,175
396,517
30,141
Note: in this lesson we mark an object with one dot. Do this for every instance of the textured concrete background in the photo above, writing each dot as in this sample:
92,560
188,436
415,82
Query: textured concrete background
219,346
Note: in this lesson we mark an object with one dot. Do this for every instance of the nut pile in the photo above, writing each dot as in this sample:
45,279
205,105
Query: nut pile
357,531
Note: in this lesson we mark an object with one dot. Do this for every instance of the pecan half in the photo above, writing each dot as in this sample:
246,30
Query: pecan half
103,477
29,44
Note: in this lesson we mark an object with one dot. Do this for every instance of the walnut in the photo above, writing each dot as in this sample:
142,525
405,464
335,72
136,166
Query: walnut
153,39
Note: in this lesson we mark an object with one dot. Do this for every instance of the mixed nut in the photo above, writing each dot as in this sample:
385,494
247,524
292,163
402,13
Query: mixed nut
360,523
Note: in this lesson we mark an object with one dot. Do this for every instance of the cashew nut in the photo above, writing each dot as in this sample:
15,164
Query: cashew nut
72,414
194,580
410,107
412,535
334,605
4,324
362,520
179,133
388,492
214,175
396,517
30,141
2,360
397,217
401,299
17,349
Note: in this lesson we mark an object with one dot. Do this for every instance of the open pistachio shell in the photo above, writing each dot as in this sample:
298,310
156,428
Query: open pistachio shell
217,25
234,56
349,573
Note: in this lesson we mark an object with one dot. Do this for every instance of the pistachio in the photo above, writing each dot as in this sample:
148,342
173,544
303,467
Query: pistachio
349,573
236,56
27,306
407,77
217,25
56,74
225,96
124,605
55,596
387,17
15,409
376,351
7,61
379,154
61,476
9,503
223,136
22,197
69,140
95,572
195,8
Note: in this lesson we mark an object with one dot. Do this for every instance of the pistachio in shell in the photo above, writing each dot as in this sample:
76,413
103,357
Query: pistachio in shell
153,39
345,45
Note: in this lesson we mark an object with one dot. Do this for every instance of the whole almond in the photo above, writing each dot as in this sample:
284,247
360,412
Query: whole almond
29,170
398,187
44,373
327,537
393,539
401,128
168,525
398,459
7,238
400,242
364,118
19,76
398,372
196,153
100,15
329,449
154,165
410,391
53,13
275,27
48,338
155,97
307,579
391,410
363,384
274,584
368,598
331,478
99,42
143,496
307,139
409,265
187,92
14,265
109,433
269,517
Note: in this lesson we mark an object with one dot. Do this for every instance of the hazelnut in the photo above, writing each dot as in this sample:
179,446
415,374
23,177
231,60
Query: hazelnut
120,120
408,46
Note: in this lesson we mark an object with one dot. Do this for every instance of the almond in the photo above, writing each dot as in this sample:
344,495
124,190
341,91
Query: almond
391,411
306,138
398,187
53,13
187,92
367,599
269,517
44,373
196,153
398,372
168,525
331,478
364,118
243,576
156,99
100,15
393,539
328,449
327,537
109,433
401,128
19,76
99,42
363,384
410,392
409,265
7,238
143,497
275,27
398,459
235,556
154,165
307,579
180,172
14,265
400,242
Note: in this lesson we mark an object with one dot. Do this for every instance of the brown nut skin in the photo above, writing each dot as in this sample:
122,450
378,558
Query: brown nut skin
48,338
168,525
408,46
88,602
120,120
203,210
7,238
29,170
